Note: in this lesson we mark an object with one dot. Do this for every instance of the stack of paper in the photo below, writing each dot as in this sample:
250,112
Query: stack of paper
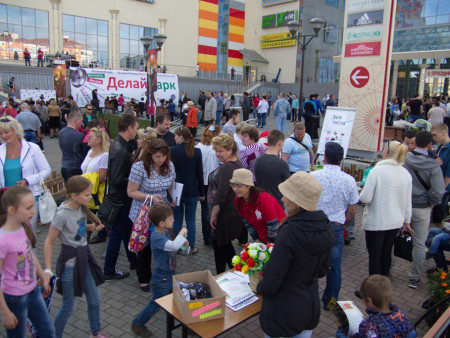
239,294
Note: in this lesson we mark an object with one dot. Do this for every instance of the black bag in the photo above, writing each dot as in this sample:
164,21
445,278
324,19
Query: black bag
109,211
403,245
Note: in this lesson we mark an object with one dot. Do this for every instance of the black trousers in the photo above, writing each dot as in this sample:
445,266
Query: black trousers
243,236
311,125
143,265
223,255
379,246
439,211
246,114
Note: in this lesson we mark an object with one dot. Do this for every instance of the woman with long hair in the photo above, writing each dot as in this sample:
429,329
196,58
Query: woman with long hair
387,196
210,163
260,211
299,258
151,177
189,171
145,136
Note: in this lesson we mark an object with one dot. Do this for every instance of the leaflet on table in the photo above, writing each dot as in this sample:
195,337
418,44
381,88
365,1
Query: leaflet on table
177,190
236,288
243,304
352,314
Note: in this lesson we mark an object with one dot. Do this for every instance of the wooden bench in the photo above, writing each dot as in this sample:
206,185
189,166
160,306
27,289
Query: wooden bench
55,183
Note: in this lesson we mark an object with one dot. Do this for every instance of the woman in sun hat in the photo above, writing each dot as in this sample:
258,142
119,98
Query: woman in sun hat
259,210
301,255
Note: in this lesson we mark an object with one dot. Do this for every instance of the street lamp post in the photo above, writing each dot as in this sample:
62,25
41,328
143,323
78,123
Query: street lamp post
303,41
146,42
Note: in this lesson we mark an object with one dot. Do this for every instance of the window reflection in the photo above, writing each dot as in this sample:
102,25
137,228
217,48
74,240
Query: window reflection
131,49
86,40
22,28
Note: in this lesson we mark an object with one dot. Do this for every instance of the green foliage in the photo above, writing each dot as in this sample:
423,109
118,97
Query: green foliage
439,285
114,118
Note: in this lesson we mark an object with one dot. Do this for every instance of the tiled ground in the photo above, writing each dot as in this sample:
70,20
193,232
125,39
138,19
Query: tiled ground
122,300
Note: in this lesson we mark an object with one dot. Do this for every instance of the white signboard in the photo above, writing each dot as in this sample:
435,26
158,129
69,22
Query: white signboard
364,33
337,127
35,94
132,85
438,73
364,5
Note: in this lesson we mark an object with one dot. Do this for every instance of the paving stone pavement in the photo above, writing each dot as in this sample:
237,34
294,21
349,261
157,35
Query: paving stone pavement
122,300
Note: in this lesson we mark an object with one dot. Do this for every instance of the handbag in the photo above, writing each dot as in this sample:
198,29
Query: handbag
47,204
141,228
109,211
403,245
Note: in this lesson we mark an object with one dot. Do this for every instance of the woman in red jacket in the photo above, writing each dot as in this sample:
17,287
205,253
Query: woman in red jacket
191,120
256,100
259,210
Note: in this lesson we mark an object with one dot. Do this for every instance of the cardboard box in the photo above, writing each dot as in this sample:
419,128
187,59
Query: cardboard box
199,310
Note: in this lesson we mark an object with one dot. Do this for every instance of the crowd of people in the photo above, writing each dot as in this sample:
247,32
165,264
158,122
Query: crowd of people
266,191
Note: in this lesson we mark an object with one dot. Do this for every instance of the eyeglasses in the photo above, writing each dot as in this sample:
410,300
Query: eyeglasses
236,186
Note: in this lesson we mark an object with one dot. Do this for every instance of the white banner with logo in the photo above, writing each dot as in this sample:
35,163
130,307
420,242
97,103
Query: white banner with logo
437,73
132,85
337,127
37,94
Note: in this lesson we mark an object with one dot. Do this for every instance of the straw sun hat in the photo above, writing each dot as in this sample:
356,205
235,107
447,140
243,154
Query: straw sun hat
302,189
242,176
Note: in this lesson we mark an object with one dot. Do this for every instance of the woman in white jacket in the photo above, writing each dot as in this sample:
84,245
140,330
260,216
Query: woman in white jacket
387,195
21,162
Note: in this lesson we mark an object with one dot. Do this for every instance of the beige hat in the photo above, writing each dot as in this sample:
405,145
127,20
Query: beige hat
190,103
242,176
302,189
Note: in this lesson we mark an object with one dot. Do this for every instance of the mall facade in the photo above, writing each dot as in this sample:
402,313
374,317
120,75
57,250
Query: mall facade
249,38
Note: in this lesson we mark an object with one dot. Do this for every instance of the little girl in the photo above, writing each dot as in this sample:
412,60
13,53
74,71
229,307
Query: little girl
76,268
20,297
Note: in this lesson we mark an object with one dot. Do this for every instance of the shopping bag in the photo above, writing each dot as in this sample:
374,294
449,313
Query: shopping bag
403,246
141,228
47,204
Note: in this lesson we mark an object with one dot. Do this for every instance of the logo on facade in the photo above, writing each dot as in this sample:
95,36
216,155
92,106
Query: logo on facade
279,19
363,49
365,18
362,34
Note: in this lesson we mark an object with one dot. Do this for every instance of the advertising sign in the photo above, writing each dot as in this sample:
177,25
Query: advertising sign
365,18
363,49
59,79
365,71
36,94
365,33
364,5
133,85
277,40
279,19
437,73
337,127
267,3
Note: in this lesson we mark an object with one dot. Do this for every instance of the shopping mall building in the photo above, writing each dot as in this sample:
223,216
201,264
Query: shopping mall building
250,37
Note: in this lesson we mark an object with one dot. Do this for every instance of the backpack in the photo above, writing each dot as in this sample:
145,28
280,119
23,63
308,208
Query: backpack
309,108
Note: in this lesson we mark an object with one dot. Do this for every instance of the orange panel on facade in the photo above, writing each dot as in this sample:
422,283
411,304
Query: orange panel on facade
206,32
237,22
235,37
207,15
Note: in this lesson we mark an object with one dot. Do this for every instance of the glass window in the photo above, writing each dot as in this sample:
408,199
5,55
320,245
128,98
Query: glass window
29,32
124,46
14,15
3,27
92,41
41,19
41,33
69,23
80,24
124,31
103,43
28,18
442,19
131,49
3,17
15,29
80,38
134,47
102,27
91,26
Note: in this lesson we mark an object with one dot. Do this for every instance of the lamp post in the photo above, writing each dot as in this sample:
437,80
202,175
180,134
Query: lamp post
146,42
303,41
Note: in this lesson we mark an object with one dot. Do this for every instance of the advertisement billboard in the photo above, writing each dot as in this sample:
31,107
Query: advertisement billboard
365,18
279,19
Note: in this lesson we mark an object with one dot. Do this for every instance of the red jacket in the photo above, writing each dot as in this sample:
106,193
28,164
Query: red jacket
191,121
256,101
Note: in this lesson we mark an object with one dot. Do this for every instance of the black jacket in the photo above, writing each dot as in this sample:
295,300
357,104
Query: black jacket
290,287
201,101
119,166
189,171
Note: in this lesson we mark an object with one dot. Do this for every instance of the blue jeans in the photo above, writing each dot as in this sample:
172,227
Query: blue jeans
120,232
281,122
438,242
334,273
30,136
30,305
218,117
69,301
187,208
41,62
262,120
161,286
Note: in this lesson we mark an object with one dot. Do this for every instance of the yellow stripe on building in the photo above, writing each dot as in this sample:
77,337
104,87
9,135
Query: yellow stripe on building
207,58
237,30
207,6
207,24
235,62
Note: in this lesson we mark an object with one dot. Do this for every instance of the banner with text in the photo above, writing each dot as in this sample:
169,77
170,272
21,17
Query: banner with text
133,85
279,19
437,73
37,94
365,68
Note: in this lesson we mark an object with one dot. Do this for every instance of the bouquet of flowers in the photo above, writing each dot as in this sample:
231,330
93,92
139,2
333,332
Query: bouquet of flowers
252,261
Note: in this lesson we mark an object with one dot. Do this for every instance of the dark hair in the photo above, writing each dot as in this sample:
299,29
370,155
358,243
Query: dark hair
126,120
423,139
274,137
233,113
161,117
12,197
254,193
408,134
312,96
159,213
76,185
252,132
156,146
189,142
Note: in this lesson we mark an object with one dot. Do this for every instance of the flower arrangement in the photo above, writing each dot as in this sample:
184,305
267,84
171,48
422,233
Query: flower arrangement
253,258
439,285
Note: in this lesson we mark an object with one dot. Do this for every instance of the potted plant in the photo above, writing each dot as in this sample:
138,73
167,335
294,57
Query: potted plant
439,290
252,261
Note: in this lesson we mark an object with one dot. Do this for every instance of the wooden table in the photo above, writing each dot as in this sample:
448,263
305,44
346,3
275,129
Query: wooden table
210,328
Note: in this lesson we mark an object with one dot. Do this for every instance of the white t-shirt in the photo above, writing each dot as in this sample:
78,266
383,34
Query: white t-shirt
209,159
94,164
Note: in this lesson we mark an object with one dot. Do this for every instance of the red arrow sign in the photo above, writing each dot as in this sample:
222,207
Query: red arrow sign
359,77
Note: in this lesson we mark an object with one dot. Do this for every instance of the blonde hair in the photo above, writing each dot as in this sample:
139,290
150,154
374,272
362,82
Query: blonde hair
13,125
147,134
397,151
240,126
225,141
100,133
